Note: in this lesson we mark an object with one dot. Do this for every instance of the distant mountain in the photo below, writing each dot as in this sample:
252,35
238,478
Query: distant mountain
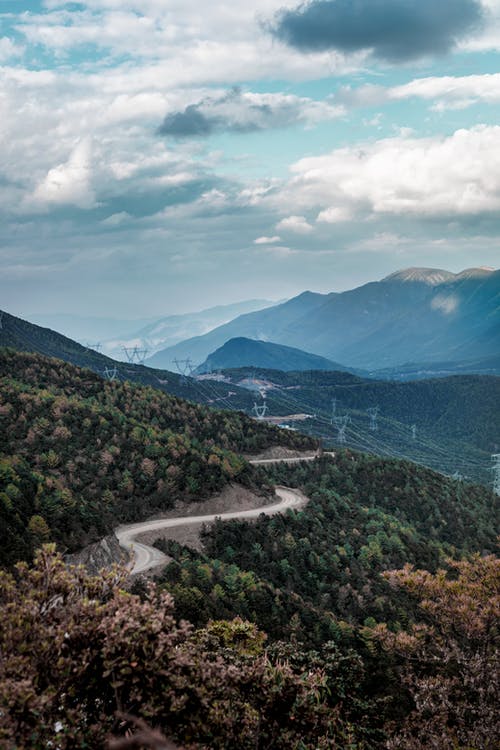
456,418
152,333
416,315
266,325
243,352
169,330
88,328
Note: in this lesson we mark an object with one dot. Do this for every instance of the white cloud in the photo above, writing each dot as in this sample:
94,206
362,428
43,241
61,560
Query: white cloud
452,91
267,240
68,183
446,303
297,224
335,215
455,176
9,49
116,219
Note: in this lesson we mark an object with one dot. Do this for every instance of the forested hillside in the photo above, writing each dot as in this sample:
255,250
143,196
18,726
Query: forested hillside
79,454
366,515
336,649
451,424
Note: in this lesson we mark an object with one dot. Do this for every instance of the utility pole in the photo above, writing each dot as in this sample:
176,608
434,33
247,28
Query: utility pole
496,472
373,413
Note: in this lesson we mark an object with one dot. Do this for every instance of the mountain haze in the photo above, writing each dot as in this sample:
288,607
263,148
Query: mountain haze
415,315
170,329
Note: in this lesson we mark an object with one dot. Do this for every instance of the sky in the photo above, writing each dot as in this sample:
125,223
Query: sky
162,156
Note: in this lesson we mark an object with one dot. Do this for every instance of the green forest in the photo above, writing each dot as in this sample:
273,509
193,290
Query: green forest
366,620
79,454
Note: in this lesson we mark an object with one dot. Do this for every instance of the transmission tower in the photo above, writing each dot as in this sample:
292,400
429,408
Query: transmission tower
334,410
373,413
110,373
496,472
95,347
260,411
185,368
135,355
413,429
457,476
341,425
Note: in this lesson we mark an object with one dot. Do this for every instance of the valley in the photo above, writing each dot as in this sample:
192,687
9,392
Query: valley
292,518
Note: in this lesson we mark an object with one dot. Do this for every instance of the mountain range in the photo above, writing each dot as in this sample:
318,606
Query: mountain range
418,315
456,418
146,334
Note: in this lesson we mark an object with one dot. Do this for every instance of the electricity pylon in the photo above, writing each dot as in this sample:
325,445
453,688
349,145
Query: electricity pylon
135,355
260,411
413,429
110,373
341,425
94,347
496,472
185,368
334,410
373,413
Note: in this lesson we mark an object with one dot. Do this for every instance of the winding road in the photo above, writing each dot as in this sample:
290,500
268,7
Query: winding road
145,557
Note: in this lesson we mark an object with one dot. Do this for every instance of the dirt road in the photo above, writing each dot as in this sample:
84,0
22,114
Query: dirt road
146,557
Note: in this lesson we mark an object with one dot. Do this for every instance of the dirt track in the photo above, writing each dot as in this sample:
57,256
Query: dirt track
146,557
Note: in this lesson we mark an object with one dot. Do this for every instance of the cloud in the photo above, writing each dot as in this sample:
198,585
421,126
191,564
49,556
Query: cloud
297,224
267,240
68,183
393,30
334,215
446,303
457,176
453,92
115,220
9,49
242,112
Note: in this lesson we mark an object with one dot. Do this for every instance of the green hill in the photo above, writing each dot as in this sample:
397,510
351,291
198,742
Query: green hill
451,424
79,454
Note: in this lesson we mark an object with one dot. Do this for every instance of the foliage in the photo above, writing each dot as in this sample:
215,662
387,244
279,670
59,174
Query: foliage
324,563
76,650
450,662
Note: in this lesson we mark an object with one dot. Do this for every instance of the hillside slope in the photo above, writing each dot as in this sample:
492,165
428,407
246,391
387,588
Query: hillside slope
79,454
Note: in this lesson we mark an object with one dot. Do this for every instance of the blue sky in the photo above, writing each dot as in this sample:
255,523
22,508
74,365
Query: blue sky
167,155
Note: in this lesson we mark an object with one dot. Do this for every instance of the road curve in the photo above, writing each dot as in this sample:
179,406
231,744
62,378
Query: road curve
145,557
290,460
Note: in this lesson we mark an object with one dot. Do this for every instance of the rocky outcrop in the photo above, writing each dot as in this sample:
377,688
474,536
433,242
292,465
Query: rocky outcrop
99,555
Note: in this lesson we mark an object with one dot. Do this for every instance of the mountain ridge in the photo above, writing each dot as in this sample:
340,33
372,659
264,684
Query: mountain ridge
414,315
